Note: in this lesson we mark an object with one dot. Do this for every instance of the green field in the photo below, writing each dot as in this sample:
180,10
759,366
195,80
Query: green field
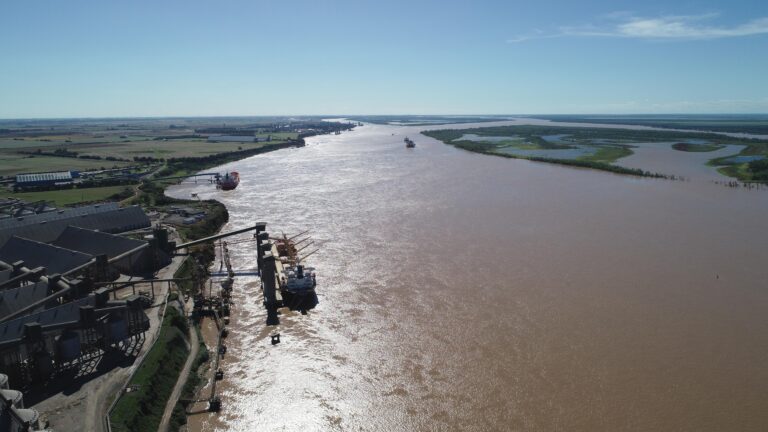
696,148
153,148
13,163
66,197
608,154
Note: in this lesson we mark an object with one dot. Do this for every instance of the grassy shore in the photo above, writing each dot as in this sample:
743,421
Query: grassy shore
530,137
608,155
599,148
753,124
696,148
142,409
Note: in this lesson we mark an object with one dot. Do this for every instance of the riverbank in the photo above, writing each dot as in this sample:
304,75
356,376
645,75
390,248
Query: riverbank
601,148
161,371
196,373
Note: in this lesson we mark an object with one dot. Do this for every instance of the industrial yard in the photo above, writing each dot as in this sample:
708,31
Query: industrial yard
104,281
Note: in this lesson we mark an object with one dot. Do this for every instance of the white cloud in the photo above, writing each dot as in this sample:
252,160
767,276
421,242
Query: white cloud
679,27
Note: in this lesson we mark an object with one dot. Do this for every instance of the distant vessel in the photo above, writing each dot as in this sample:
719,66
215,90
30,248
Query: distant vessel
228,181
409,143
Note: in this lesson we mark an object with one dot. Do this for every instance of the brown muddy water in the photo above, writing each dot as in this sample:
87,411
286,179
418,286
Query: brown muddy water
467,292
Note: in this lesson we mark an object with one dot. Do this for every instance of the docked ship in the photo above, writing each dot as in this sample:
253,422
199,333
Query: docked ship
297,282
297,286
409,143
228,181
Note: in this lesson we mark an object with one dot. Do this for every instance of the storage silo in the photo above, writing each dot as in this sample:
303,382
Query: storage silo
30,417
15,397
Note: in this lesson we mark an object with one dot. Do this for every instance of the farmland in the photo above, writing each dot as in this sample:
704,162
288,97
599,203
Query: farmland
114,153
13,163
95,144
67,197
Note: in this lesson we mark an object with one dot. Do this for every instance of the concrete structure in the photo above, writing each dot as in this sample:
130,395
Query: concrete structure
49,322
13,416
33,347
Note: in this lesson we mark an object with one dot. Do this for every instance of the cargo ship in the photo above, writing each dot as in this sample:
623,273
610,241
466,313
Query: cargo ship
297,282
297,286
409,143
228,181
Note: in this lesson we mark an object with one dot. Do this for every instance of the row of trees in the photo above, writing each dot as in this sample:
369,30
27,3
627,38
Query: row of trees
759,169
63,152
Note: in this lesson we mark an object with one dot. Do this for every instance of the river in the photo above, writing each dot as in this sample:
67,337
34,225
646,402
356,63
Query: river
467,292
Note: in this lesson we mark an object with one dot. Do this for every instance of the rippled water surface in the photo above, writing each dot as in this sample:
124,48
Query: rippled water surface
467,292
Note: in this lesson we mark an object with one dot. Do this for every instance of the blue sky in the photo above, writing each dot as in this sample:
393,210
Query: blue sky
237,57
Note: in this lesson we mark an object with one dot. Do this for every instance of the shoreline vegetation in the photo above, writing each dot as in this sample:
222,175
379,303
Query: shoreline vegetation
756,124
696,148
154,380
426,120
599,148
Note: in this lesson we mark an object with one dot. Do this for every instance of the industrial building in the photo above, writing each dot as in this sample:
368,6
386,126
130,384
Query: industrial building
54,259
47,227
62,334
45,179
238,138
55,313
127,256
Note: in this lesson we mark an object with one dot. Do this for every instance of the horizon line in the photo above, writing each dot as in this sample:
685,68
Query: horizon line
161,117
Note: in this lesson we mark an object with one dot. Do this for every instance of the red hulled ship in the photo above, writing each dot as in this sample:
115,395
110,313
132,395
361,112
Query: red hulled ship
228,181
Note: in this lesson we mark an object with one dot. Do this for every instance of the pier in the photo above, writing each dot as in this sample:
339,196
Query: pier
274,257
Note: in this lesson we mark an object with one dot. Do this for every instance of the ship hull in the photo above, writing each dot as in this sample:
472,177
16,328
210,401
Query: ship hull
229,182
299,300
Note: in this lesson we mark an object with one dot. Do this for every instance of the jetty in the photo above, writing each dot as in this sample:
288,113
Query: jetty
278,259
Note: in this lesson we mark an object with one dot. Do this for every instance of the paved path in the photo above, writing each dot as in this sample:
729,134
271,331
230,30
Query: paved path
194,348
